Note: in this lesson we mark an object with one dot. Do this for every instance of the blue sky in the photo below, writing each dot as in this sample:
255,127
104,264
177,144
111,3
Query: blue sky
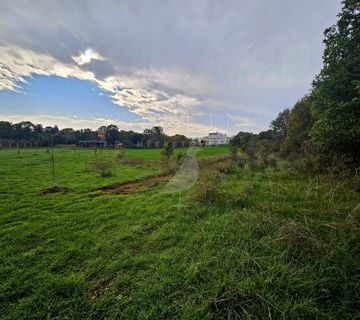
63,96
188,66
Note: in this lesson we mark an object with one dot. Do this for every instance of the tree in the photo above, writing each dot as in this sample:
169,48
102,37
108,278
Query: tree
299,124
242,139
6,130
154,136
279,125
167,151
112,134
336,111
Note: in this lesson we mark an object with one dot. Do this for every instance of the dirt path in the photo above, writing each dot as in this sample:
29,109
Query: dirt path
131,187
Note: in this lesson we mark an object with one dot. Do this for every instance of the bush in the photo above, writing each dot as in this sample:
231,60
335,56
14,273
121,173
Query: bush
308,164
104,168
166,154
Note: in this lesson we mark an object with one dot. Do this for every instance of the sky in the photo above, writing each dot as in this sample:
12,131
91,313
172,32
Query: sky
188,66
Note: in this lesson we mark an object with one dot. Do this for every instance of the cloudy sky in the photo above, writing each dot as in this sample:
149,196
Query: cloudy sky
189,66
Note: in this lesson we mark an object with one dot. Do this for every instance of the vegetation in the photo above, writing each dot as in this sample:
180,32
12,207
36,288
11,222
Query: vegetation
271,242
323,126
336,109
27,134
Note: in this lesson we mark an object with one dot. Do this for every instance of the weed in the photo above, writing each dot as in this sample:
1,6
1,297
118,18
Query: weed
301,240
209,189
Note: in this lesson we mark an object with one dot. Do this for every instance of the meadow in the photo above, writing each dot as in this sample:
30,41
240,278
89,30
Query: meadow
248,242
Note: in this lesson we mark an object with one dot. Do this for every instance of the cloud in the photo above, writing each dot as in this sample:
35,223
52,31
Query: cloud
86,57
17,64
166,60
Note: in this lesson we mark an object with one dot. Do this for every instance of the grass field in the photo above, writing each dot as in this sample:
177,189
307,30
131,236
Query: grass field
272,244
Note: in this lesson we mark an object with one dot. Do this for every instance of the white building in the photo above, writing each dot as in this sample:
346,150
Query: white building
217,139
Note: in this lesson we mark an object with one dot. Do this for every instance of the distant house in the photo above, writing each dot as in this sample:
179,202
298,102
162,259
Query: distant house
91,143
101,133
118,145
217,139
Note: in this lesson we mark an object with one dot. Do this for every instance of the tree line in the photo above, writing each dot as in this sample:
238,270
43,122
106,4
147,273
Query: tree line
26,133
324,125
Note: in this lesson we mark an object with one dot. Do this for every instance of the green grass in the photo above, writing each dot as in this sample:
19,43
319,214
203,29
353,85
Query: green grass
276,244
154,154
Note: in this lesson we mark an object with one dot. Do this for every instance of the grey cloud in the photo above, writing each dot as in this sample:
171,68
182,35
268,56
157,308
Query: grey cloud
251,56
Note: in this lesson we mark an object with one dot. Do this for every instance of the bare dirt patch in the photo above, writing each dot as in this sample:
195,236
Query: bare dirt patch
55,189
132,187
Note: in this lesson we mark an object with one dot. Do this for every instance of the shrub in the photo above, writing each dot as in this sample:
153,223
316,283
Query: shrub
104,168
166,154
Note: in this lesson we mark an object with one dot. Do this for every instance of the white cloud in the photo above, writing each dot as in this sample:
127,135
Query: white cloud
151,104
86,57
17,64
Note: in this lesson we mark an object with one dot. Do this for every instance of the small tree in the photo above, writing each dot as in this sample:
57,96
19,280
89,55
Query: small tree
166,153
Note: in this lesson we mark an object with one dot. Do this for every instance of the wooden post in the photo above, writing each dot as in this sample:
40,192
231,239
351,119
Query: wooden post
53,162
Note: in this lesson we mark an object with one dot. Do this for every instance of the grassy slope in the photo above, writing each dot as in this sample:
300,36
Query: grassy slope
277,245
